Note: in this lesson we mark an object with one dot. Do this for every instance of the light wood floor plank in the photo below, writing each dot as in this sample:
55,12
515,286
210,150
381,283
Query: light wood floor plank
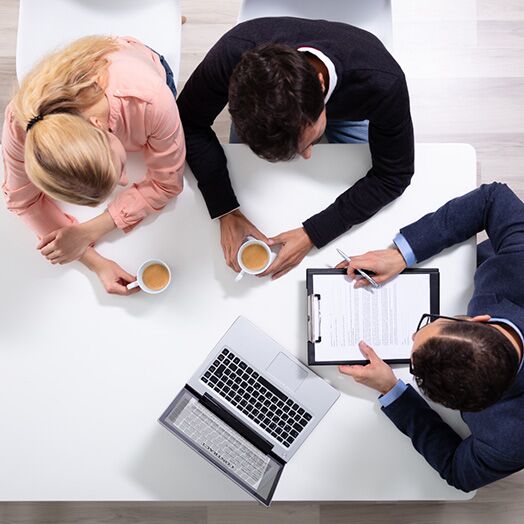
252,513
501,33
497,10
407,513
102,513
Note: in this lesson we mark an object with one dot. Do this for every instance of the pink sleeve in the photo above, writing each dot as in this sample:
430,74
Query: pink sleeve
22,197
164,154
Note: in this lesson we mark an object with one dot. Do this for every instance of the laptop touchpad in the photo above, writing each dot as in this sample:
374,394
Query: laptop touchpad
287,372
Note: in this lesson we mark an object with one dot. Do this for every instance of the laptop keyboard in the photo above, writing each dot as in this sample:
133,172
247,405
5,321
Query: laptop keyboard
258,399
221,442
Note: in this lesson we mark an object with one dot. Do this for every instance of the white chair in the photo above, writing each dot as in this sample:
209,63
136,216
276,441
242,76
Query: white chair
372,15
44,25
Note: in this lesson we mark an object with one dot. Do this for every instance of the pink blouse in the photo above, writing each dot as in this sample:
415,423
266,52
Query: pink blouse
143,116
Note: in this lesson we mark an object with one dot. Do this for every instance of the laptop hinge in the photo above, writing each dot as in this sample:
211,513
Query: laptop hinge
263,445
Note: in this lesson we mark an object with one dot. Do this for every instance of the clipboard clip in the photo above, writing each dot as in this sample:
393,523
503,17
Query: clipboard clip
313,318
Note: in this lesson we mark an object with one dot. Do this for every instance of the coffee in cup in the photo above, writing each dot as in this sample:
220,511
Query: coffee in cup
153,277
254,257
156,277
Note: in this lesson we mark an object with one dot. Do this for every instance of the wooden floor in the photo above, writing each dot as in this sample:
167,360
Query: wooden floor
464,60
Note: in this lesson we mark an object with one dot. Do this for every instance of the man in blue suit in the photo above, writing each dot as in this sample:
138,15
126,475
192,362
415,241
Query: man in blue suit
471,363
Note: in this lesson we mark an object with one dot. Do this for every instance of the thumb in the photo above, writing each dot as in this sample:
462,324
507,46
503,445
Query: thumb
368,351
279,239
260,236
347,370
127,276
46,239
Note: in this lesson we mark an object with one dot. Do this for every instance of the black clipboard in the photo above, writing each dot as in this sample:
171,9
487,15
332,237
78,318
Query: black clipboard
314,306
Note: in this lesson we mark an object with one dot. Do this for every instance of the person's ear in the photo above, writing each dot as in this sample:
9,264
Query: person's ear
97,122
480,318
320,77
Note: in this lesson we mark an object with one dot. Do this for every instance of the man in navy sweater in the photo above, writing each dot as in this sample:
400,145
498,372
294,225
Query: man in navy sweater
471,363
289,81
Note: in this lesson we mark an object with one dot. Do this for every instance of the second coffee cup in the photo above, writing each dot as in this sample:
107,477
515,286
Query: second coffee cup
254,257
153,277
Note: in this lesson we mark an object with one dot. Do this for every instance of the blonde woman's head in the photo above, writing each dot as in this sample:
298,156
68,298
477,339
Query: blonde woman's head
66,156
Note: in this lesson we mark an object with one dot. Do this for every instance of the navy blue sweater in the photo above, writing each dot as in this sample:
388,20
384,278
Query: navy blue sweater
495,448
371,86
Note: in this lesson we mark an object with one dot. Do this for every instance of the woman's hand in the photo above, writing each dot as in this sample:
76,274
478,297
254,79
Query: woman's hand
66,244
113,277
70,242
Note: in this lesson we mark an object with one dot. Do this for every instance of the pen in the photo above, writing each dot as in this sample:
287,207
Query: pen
360,271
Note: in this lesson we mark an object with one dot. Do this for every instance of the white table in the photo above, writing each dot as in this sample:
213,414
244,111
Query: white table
84,375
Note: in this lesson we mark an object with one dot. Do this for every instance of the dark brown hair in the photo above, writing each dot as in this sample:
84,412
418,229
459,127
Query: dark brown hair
467,366
274,93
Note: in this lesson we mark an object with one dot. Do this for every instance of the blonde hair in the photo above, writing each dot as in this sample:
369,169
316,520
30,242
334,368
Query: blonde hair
65,156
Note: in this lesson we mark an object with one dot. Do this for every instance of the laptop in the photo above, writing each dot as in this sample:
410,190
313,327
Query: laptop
248,408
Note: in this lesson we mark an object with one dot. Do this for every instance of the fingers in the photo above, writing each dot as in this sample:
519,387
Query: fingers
128,277
363,282
230,256
125,278
365,261
48,249
352,371
279,239
46,239
342,265
260,236
277,264
117,288
368,352
282,272
233,261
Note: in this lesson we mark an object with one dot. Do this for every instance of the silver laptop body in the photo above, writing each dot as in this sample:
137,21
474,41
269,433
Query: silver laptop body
249,407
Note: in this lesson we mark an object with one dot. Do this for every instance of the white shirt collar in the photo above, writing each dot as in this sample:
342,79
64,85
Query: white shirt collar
329,66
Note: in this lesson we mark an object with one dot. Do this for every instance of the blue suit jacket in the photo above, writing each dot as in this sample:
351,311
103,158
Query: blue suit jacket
495,448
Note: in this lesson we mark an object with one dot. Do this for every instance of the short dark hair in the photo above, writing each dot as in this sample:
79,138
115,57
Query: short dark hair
467,366
274,93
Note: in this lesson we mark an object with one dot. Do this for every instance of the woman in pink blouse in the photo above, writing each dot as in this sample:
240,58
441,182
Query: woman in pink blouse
65,137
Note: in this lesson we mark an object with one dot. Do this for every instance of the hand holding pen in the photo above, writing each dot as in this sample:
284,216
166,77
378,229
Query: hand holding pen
385,264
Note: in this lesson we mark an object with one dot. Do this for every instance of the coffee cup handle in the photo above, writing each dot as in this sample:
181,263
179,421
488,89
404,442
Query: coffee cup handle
132,285
239,277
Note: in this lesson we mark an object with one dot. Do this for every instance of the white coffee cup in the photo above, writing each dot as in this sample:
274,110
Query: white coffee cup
139,282
245,270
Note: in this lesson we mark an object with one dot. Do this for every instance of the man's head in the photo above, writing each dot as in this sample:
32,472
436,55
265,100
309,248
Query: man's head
465,365
276,101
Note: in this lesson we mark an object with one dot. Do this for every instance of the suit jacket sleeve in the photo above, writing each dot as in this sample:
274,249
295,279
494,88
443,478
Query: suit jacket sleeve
465,464
491,207
392,149
204,96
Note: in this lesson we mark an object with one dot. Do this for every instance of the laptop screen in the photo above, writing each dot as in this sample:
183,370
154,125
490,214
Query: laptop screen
215,440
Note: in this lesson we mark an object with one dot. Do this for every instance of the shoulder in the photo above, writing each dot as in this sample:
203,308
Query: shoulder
13,135
498,430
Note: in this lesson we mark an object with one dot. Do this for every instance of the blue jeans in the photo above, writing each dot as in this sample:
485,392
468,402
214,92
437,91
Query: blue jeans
337,132
347,131
170,80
